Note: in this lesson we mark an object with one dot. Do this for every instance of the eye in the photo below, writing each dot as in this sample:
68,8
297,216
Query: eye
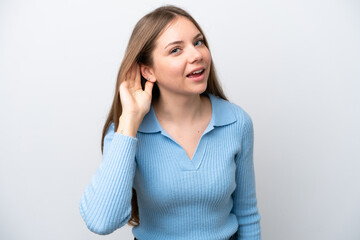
175,50
199,42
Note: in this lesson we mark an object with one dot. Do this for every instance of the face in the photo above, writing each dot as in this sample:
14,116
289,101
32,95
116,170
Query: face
181,61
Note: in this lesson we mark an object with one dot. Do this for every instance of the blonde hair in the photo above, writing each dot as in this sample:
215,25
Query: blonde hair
139,50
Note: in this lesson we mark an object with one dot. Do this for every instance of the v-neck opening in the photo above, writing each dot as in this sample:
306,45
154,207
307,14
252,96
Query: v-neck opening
184,160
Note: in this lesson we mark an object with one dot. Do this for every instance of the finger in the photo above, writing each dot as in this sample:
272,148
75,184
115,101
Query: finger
127,75
138,76
133,75
126,78
123,84
133,71
149,87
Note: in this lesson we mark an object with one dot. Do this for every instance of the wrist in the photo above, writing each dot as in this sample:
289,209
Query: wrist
128,125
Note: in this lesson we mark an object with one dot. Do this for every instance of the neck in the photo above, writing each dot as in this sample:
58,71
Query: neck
179,109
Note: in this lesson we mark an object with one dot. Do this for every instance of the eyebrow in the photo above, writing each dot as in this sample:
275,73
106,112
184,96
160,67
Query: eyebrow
179,42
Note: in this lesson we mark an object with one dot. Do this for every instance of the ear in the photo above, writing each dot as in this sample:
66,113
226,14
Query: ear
148,73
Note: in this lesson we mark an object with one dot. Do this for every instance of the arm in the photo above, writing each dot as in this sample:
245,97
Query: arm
244,196
106,202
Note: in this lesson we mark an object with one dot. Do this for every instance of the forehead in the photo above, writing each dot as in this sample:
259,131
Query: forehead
180,29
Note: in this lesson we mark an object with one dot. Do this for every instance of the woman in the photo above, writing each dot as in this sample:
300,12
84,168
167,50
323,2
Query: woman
177,156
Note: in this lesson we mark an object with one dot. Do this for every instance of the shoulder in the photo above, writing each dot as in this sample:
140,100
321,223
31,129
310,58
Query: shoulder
229,112
242,116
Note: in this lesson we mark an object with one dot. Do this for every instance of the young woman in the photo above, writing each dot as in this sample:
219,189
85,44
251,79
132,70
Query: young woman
177,156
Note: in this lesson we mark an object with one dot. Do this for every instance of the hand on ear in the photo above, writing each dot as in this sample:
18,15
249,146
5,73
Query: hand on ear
147,73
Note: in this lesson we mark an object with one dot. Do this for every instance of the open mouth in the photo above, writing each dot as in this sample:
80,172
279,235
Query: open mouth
196,73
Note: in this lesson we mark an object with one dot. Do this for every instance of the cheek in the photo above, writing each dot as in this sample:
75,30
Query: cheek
176,67
173,68
207,56
169,70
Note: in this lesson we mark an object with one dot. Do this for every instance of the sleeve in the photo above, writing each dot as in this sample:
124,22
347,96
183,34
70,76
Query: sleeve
244,196
106,202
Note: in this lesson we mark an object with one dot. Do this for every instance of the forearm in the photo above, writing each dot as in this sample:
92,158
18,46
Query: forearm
106,202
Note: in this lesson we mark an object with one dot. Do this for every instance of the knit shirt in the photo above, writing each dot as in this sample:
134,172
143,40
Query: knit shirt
210,197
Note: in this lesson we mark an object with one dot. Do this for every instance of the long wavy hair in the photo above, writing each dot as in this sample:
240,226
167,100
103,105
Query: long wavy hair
139,50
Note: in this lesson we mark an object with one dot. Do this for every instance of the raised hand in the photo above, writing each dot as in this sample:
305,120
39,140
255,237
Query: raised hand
134,100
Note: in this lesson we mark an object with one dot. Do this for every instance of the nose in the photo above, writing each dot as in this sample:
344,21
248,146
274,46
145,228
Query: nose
195,55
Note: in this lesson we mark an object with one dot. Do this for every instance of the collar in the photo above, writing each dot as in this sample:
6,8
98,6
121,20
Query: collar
222,114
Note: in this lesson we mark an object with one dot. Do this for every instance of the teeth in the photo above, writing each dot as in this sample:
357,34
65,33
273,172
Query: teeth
199,71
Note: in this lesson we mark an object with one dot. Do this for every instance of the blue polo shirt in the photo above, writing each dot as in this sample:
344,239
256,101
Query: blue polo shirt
211,196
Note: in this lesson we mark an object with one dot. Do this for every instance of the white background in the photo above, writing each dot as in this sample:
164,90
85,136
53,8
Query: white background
294,66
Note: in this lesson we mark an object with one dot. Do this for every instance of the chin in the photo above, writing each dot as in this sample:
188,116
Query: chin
200,89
